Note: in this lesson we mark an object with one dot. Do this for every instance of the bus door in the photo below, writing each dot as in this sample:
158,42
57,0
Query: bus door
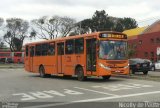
60,57
91,54
31,58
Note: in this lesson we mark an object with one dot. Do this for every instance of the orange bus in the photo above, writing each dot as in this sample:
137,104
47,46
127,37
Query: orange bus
18,57
100,54
11,57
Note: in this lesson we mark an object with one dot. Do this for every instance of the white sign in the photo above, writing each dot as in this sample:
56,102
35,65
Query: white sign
158,50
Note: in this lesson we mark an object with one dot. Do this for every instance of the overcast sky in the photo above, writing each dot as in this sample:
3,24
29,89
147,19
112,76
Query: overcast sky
141,10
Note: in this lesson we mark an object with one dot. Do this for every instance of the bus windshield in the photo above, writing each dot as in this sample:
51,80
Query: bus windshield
113,50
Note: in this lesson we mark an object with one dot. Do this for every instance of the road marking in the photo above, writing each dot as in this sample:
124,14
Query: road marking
40,95
116,97
72,92
46,94
140,85
118,87
95,91
96,99
25,96
54,93
49,105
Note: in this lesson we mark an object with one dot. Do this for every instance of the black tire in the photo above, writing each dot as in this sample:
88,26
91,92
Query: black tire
106,77
48,75
42,72
152,68
80,74
145,72
67,76
133,72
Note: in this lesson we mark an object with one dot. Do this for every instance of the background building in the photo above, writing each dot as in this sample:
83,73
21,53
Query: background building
145,41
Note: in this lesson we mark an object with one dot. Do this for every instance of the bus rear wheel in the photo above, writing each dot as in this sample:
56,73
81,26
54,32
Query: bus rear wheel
80,73
106,77
42,72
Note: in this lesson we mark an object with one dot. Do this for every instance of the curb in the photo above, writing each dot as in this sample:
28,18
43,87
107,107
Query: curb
150,78
147,77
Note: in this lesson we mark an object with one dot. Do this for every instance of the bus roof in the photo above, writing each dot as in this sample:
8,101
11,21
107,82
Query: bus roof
75,36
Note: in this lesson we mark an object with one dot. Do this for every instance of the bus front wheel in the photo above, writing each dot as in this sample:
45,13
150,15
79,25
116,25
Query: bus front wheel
80,74
145,72
106,77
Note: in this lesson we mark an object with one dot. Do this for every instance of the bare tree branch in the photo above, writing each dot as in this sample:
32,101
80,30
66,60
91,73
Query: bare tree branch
17,30
52,27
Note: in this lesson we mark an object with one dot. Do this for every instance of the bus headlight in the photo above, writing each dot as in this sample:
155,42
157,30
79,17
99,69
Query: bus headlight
126,66
103,66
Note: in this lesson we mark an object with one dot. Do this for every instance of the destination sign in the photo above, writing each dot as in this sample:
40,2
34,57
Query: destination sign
115,36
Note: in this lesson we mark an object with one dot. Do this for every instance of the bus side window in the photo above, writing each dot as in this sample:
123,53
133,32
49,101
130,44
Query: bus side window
32,51
79,46
44,49
69,47
60,48
38,50
51,49
26,50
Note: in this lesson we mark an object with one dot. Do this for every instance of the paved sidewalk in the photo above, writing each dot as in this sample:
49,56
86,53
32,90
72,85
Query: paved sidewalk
154,73
150,73
11,66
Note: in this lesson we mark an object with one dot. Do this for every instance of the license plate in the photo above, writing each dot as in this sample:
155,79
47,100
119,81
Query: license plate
117,71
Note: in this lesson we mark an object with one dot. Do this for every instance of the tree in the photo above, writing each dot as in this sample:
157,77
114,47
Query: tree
72,34
16,32
100,21
45,26
2,44
119,25
129,23
32,34
1,21
85,26
17,44
125,24
1,40
51,27
67,25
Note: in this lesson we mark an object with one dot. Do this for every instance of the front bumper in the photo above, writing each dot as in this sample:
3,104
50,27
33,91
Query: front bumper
120,71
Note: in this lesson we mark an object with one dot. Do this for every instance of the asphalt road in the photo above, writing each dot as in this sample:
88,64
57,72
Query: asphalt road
23,89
